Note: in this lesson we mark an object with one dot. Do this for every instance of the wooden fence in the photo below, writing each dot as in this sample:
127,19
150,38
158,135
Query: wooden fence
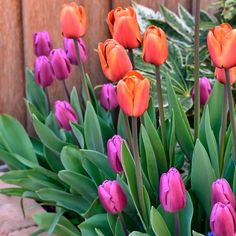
21,18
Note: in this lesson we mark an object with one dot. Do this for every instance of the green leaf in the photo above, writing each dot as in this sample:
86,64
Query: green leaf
158,224
63,199
156,143
56,219
47,137
183,131
35,94
185,218
121,130
78,131
151,164
92,130
119,231
98,221
171,139
16,138
94,208
136,233
79,183
75,103
13,191
186,16
32,109
197,234
62,228
202,176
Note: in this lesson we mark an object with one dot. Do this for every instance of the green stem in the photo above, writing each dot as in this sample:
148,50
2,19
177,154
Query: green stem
138,172
231,111
66,89
81,66
122,221
127,127
48,99
177,224
223,131
196,72
131,57
161,108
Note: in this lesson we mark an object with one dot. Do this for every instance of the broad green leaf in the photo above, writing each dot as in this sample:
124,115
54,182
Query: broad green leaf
136,233
98,221
47,137
156,144
55,221
185,218
197,234
171,139
186,16
119,231
158,224
92,130
79,183
35,94
121,128
183,131
34,111
16,138
94,208
13,191
78,131
66,200
63,226
151,164
202,176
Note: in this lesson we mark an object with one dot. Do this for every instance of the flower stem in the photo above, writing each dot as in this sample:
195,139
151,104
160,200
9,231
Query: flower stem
161,108
138,172
122,221
223,130
48,99
129,134
66,90
177,224
131,57
231,111
196,71
81,66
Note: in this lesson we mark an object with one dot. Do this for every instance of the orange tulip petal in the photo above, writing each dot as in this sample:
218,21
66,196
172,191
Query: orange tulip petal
141,98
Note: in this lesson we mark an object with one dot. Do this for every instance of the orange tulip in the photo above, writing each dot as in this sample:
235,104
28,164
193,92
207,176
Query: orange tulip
221,41
73,20
124,28
220,75
155,47
114,60
133,93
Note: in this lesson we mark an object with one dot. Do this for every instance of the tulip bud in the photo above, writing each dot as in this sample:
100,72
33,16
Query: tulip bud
133,94
112,196
220,75
114,145
124,28
42,44
205,90
73,20
64,114
223,220
221,42
69,47
155,47
43,72
108,97
172,191
60,63
221,192
114,60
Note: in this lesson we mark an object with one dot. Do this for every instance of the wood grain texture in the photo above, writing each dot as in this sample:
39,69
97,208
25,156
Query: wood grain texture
11,63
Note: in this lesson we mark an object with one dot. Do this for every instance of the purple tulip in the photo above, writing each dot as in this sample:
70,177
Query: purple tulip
223,220
221,192
43,72
112,196
205,90
108,97
114,153
69,47
64,114
42,44
60,63
172,191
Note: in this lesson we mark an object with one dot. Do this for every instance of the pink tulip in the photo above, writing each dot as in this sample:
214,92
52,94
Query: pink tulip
112,196
114,153
42,44
221,192
64,114
223,220
108,97
172,191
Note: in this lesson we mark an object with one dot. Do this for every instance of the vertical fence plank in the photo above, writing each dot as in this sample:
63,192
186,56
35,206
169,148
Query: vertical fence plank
11,63
44,15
